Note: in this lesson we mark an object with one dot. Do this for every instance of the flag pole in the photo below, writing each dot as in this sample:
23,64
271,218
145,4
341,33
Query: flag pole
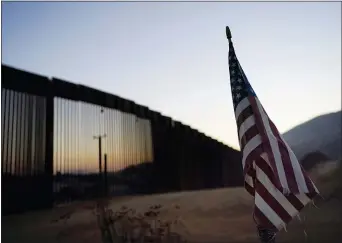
265,235
228,33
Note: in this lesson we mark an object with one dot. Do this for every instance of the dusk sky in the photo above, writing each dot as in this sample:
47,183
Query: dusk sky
172,57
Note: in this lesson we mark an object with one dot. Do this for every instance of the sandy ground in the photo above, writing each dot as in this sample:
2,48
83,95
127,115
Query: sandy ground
216,216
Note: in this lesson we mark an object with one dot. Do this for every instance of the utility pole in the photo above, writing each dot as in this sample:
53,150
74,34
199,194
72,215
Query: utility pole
99,137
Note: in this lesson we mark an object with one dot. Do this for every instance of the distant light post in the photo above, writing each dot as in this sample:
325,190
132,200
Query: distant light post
99,137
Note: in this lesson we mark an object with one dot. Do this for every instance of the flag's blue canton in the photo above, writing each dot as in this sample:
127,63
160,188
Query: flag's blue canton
238,80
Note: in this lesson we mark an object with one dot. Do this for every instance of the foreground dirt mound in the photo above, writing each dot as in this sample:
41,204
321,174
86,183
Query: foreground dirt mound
216,216
205,216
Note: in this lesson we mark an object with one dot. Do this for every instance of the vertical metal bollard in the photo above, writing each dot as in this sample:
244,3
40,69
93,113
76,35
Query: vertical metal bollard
49,146
100,168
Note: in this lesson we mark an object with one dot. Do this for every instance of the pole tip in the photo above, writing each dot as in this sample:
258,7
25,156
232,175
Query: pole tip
229,35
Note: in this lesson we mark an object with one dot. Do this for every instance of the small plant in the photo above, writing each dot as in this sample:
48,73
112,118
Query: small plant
63,217
128,226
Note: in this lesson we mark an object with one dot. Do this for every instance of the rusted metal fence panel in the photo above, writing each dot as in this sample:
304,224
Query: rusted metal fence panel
25,140
55,135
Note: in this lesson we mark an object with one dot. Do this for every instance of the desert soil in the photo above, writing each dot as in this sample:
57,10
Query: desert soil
213,216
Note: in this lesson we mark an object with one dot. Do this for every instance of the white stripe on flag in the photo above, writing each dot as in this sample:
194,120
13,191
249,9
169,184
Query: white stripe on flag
248,123
276,194
250,146
274,145
303,198
249,180
265,157
241,106
268,211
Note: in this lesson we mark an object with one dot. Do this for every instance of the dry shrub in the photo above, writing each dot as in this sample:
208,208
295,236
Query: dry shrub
128,226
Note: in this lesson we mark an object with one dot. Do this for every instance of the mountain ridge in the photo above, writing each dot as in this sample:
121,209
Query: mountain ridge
321,133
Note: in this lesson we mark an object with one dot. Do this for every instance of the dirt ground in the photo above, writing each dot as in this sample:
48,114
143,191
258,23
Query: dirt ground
216,216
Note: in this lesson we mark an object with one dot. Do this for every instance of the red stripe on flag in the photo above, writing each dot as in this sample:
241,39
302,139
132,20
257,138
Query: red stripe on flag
249,189
294,201
249,134
247,112
251,172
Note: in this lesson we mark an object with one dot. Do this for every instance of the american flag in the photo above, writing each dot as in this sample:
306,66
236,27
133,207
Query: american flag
272,173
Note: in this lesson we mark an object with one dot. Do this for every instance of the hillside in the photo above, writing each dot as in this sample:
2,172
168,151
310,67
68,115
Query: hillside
322,133
310,160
